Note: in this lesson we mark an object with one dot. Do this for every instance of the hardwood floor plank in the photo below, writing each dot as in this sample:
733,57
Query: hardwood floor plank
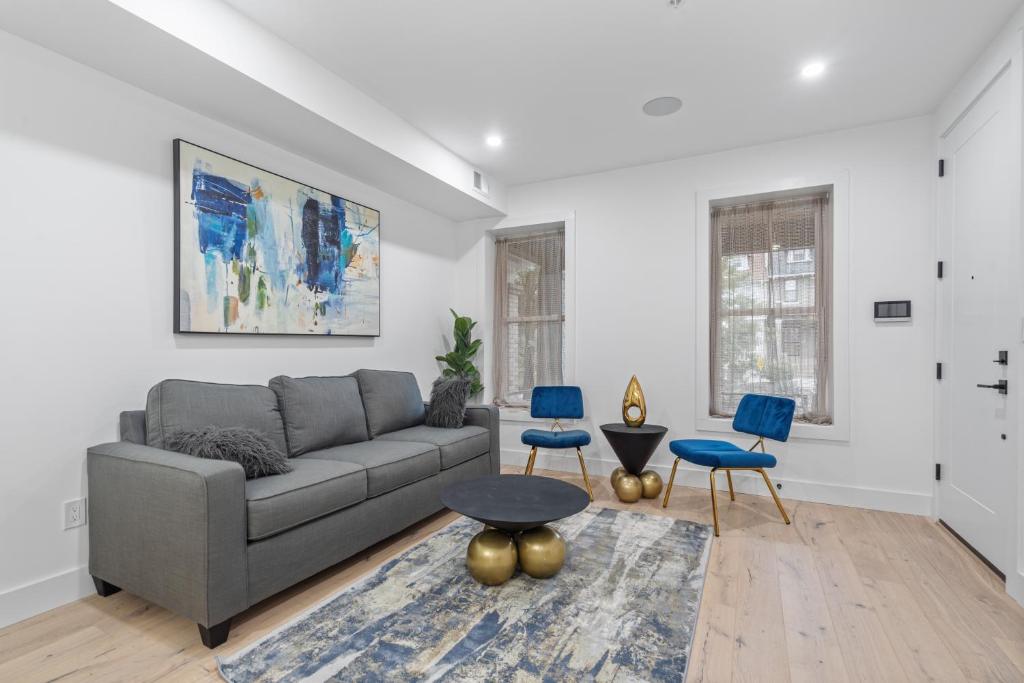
867,653
842,594
814,653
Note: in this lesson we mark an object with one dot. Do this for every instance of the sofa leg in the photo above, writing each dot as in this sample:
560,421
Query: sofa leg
216,635
104,589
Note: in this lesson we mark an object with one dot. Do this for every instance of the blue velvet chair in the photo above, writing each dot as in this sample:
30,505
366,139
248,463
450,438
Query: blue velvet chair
763,416
557,403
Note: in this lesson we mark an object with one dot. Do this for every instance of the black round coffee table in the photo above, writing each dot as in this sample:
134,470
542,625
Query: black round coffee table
517,506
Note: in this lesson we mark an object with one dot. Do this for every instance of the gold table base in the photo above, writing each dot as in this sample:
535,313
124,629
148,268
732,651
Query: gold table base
492,555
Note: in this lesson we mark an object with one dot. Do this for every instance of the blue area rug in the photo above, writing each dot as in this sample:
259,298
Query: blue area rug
623,608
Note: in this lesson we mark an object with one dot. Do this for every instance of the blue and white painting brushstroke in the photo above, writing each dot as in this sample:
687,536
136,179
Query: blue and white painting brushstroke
623,608
262,254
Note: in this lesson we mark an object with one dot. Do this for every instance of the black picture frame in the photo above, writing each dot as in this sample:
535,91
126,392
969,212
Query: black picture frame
178,200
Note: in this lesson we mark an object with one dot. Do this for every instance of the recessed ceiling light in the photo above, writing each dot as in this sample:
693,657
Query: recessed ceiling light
493,141
812,70
663,106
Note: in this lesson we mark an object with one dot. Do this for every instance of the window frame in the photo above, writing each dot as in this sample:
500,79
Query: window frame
517,227
839,430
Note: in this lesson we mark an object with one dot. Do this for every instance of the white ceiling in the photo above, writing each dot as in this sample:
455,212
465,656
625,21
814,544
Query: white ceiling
564,81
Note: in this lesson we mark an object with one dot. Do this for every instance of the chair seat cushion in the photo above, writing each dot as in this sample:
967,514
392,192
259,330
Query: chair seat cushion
713,453
312,489
457,445
389,464
543,438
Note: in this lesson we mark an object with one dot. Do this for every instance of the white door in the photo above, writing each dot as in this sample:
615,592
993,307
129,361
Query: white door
979,227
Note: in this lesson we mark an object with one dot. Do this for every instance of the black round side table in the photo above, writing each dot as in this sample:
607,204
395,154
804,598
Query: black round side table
634,446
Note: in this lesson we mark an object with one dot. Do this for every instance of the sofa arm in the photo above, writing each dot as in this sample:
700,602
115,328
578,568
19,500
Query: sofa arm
170,528
487,416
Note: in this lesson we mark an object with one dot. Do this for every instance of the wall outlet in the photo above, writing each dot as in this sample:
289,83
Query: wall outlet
75,512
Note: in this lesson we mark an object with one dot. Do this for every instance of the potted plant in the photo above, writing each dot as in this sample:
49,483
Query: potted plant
460,359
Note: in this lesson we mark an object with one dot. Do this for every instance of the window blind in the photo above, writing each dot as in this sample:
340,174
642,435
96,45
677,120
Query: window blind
529,314
771,303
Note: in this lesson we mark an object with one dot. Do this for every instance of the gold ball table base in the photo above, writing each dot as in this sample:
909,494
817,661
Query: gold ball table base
492,555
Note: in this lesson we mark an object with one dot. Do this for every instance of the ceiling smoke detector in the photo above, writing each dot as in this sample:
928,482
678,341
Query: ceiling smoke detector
676,4
663,106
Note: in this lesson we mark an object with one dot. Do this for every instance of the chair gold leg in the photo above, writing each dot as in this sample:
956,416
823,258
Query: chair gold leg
586,478
671,478
778,503
530,460
732,494
714,501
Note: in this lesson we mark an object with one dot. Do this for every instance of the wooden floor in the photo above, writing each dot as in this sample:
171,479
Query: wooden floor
841,595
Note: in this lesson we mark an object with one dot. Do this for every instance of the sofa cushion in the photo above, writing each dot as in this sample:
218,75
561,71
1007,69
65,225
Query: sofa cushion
392,400
320,412
312,489
456,445
183,405
389,464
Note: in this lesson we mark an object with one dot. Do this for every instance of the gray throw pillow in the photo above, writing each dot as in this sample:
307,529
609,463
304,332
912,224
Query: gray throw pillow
252,450
448,399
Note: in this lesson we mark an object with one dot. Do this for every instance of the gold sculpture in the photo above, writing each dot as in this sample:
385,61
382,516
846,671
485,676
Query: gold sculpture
491,557
541,552
628,488
650,482
634,398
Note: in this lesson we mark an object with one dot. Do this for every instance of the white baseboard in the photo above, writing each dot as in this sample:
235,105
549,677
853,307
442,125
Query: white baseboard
795,489
1015,586
22,602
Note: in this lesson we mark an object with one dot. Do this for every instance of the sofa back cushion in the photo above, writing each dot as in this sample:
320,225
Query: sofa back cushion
320,412
177,404
392,400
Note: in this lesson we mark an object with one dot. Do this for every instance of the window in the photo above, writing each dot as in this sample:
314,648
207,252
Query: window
798,256
790,295
529,315
771,321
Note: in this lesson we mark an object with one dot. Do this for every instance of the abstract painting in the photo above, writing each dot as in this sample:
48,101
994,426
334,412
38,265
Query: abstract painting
258,253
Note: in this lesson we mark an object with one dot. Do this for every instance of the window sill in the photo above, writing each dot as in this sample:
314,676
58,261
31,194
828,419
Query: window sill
800,431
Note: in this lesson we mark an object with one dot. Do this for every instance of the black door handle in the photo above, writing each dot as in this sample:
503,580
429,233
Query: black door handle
1002,386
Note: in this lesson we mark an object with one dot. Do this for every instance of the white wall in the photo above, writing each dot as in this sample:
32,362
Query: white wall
635,309
86,282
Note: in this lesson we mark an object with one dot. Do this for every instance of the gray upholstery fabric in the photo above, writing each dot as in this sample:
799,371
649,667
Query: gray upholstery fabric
132,426
487,416
392,400
279,562
176,404
173,529
320,412
313,489
389,464
170,528
456,445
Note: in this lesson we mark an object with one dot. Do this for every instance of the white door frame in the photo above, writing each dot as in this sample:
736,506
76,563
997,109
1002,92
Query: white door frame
996,65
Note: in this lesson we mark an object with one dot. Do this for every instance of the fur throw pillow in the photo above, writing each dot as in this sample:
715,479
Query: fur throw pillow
249,448
448,399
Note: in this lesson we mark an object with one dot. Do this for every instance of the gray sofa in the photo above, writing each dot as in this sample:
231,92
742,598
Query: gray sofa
194,536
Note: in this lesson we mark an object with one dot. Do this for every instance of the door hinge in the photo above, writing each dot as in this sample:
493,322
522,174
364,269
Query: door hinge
942,167
938,471
939,270
938,371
